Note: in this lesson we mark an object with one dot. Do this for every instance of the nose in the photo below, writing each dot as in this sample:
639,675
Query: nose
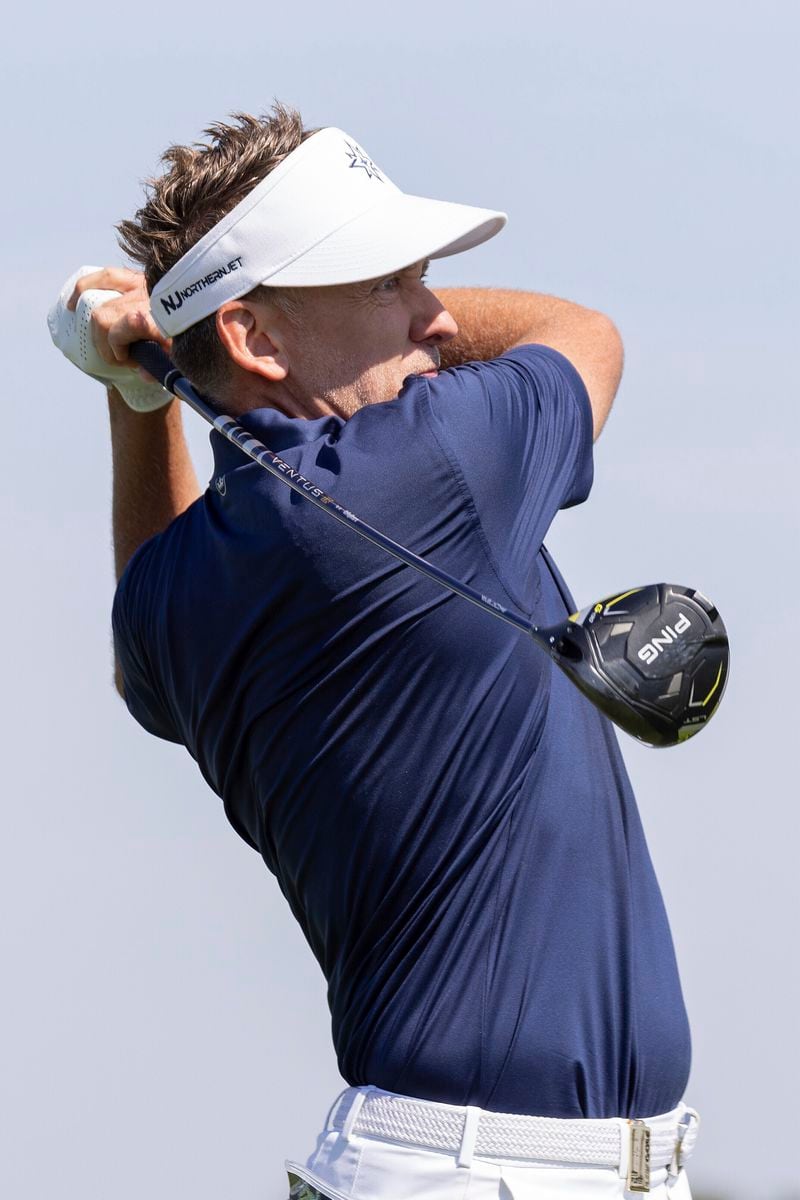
431,321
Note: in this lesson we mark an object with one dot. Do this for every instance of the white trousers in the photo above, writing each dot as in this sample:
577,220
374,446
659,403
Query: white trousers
349,1164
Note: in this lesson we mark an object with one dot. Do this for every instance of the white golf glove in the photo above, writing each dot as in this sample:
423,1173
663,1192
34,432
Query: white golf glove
71,332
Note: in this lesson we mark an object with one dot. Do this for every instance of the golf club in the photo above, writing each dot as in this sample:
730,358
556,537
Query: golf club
654,658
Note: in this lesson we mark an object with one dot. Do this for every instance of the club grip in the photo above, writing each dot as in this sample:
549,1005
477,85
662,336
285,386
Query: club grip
156,362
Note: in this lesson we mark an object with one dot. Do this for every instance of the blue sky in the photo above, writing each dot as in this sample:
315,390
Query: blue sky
166,1027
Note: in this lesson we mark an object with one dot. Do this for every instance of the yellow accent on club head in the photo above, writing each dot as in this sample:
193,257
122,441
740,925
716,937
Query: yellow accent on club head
598,608
616,600
714,688
573,616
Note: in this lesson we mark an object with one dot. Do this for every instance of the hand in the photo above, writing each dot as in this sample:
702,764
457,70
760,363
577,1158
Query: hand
99,313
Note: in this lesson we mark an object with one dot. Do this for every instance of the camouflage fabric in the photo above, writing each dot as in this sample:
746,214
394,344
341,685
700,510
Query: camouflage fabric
300,1190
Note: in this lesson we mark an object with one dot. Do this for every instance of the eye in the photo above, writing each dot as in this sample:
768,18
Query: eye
389,285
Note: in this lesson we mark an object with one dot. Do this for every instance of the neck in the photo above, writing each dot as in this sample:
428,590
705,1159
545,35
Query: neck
249,391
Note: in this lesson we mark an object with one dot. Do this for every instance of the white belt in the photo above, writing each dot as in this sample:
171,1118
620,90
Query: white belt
633,1147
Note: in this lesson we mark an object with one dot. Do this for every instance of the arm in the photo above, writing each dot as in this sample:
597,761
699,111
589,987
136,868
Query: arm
493,320
153,475
154,479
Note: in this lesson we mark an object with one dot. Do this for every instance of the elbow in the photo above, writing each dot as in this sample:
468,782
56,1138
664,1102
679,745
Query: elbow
609,360
610,349
119,683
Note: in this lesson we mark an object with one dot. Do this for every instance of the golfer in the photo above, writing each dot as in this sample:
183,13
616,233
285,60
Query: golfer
448,818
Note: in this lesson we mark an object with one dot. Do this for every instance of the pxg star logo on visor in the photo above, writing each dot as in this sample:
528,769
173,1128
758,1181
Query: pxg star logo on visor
359,158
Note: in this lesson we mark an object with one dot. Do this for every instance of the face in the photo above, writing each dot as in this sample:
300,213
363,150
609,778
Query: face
353,345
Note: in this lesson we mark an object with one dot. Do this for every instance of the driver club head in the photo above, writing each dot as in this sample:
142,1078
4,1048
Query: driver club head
654,659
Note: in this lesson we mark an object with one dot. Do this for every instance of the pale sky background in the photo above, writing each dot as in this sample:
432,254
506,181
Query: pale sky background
164,1027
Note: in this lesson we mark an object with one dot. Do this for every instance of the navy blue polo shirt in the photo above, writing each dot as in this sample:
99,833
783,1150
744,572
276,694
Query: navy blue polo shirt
449,819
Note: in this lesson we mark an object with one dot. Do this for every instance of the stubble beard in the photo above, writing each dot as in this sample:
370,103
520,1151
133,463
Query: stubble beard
335,385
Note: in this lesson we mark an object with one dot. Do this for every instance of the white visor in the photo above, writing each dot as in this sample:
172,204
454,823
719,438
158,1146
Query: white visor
326,215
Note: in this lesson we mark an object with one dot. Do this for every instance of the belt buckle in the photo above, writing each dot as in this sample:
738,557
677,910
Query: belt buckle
639,1157
300,1190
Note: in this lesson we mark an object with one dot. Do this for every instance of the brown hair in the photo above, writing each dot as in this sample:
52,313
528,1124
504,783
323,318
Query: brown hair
203,182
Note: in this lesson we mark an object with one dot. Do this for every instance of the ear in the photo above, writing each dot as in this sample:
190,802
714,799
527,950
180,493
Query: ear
252,339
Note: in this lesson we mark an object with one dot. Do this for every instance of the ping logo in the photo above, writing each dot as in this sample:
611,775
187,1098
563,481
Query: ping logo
669,634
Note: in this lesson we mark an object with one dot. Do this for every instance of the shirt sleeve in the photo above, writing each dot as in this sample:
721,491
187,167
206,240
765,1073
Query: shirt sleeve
518,433
132,612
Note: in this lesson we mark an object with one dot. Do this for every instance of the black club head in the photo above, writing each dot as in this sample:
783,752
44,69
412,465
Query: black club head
654,659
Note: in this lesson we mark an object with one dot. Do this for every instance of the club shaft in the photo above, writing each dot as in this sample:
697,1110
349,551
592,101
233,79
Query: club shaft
156,362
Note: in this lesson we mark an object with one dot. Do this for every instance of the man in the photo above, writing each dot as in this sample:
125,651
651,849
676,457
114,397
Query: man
449,819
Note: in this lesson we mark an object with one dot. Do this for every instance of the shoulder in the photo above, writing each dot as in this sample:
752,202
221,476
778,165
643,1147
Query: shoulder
542,366
535,374
532,387
141,623
147,581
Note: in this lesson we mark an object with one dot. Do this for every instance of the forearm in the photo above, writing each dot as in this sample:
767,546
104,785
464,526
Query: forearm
154,479
492,320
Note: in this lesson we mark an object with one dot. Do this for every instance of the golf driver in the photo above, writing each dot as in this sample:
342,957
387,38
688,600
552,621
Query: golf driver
654,658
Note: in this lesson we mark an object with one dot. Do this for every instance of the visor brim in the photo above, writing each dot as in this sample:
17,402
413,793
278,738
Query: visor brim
392,235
